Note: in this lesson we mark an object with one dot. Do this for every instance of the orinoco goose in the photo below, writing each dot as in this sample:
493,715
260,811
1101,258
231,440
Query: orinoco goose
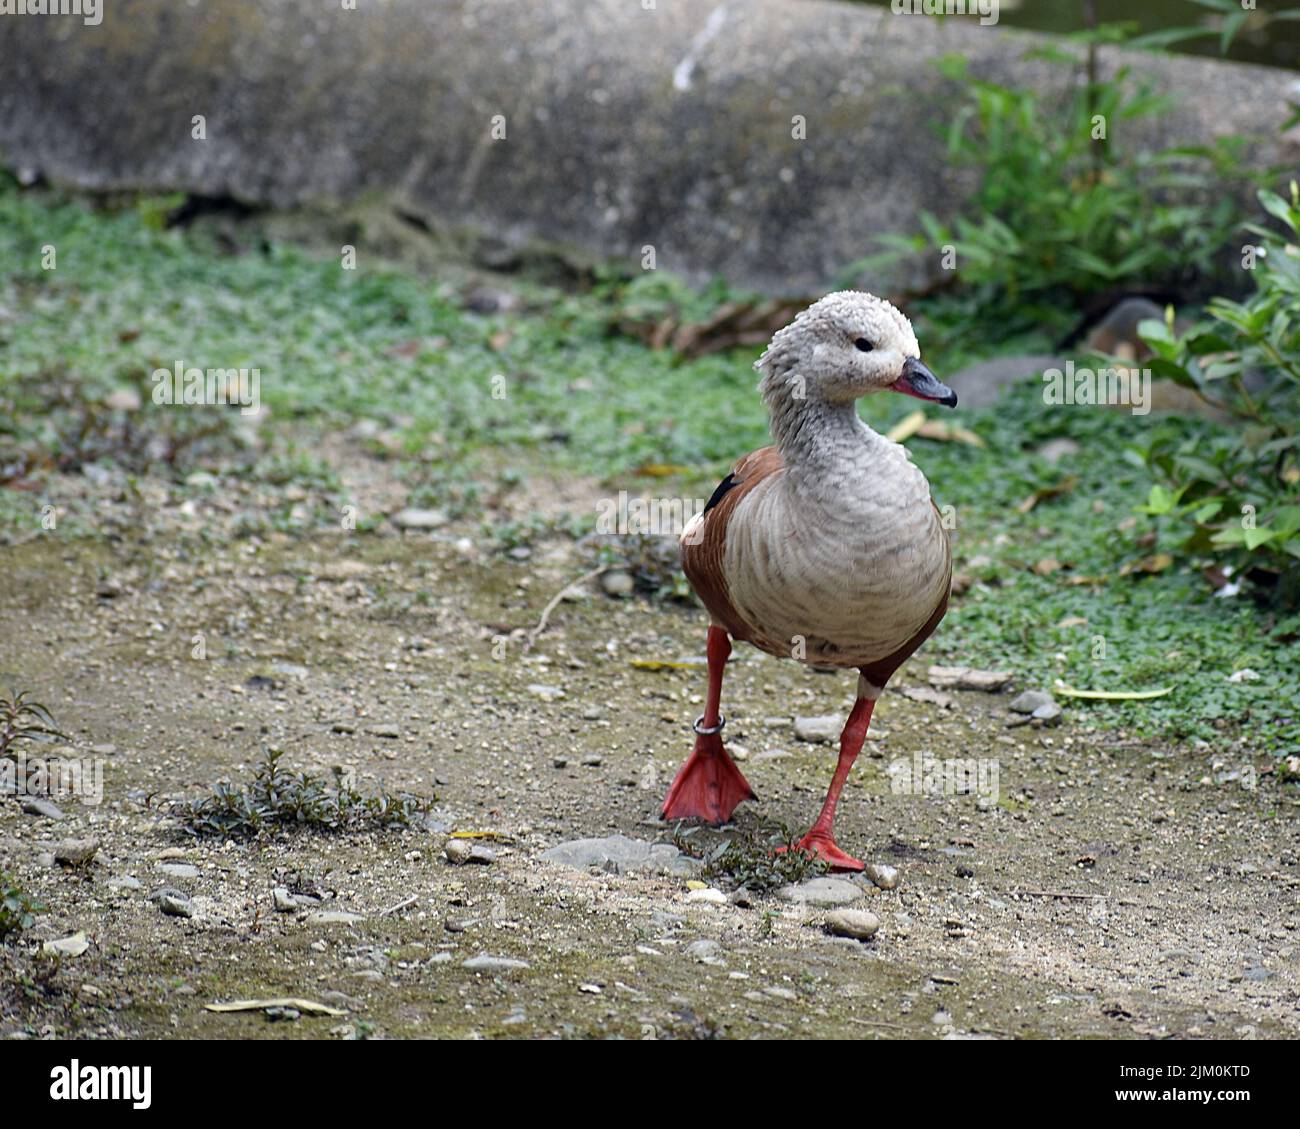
825,547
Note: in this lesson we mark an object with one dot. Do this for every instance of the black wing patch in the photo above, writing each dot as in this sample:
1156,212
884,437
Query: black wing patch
723,486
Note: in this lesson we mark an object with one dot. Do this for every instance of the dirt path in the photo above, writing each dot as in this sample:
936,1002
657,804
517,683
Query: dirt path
377,653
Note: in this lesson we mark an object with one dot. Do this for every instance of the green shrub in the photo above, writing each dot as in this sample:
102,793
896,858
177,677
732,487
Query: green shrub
280,799
25,720
1235,495
17,908
1061,214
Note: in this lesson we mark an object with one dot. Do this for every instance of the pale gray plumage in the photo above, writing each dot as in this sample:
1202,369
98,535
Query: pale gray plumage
843,553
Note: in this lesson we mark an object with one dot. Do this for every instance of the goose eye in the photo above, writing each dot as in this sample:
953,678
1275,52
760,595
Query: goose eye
863,344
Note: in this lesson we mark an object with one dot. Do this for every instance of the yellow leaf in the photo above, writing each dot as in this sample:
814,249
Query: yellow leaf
696,884
1111,695
906,427
660,470
949,433
1157,562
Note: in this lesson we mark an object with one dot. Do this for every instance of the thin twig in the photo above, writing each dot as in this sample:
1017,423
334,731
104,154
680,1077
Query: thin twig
1061,894
400,905
550,607
877,1023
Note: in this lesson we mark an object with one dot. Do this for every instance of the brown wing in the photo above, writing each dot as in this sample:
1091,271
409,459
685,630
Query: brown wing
702,557
702,554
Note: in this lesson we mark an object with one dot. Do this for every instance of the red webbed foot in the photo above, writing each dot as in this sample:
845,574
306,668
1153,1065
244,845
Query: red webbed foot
825,848
708,786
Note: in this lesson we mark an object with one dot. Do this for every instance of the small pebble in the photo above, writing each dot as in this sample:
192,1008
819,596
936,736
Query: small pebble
419,519
546,693
620,585
493,964
879,874
705,951
821,729
75,852
72,946
822,892
860,924
709,896
175,905
179,870
1030,700
458,851
1049,713
42,807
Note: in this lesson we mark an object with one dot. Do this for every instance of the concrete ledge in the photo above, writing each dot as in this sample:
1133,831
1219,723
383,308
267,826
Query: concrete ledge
623,126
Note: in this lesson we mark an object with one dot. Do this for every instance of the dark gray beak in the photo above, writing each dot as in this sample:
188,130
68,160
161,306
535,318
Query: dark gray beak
919,381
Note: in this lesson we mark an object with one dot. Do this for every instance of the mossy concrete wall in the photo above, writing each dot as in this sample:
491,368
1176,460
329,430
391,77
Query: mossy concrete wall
624,125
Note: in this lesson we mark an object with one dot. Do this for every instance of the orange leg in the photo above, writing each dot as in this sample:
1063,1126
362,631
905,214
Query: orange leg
709,785
820,838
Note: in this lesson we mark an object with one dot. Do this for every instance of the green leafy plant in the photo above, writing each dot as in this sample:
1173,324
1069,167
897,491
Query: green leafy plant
280,799
1060,211
521,533
1235,495
24,720
759,858
56,420
18,909
1227,20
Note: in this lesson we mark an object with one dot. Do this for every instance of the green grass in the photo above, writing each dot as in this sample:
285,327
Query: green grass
128,297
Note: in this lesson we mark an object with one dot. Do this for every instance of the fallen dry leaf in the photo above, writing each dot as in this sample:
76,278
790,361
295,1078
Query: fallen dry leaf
916,423
1156,562
906,427
1047,566
749,322
1073,621
1045,492
659,470
405,349
310,1007
946,432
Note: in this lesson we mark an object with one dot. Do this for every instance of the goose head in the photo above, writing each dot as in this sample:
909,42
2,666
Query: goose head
846,346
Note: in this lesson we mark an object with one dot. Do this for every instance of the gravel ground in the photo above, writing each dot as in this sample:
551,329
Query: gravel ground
1110,889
